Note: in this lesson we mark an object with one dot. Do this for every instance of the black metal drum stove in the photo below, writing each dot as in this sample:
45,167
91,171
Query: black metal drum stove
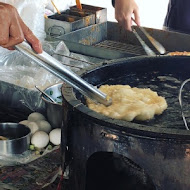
103,153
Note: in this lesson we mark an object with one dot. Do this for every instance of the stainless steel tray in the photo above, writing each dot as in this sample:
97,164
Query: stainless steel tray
67,21
110,38
100,12
74,19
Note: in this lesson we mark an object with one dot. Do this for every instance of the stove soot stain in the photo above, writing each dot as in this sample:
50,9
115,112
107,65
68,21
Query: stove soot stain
111,171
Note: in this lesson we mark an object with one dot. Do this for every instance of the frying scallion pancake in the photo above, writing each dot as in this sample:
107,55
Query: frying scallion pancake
130,103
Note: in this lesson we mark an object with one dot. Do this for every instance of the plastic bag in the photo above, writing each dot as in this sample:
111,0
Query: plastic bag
17,69
23,74
72,61
32,13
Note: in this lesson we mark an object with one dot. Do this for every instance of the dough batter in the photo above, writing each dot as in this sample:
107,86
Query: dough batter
130,103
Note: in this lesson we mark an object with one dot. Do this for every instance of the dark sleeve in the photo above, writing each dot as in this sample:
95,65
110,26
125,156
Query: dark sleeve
113,3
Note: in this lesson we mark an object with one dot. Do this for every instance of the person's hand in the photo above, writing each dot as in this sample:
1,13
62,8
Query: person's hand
124,10
13,30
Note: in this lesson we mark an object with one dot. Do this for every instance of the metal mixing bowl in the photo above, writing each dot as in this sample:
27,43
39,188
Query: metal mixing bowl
18,138
54,110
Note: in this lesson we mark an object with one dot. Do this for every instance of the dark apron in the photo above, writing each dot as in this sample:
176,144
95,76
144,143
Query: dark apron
178,16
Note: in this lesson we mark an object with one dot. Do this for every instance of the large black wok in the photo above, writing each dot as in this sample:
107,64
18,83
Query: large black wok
160,146
162,74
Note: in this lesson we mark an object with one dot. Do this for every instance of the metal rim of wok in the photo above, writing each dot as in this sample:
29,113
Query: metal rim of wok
130,128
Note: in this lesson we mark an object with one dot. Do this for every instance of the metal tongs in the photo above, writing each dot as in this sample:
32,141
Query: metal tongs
58,69
154,42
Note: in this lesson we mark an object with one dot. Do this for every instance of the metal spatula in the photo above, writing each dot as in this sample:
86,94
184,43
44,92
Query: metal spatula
58,69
